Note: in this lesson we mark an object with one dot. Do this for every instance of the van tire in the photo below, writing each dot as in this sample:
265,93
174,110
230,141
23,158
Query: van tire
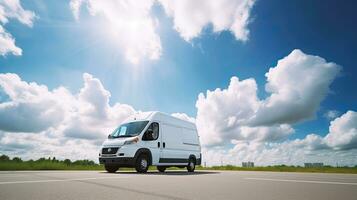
191,165
111,168
161,168
142,163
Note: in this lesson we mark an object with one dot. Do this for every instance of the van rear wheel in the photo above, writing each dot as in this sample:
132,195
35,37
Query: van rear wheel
161,168
142,164
191,165
111,168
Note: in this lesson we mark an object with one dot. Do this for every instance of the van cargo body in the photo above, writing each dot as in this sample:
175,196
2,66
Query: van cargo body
152,138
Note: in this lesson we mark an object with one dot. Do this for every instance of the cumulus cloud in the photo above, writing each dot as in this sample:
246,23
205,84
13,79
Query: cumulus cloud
93,118
331,114
222,112
12,9
134,26
131,23
343,132
75,6
7,44
184,116
190,17
258,128
297,85
32,115
36,121
263,154
32,107
339,145
37,145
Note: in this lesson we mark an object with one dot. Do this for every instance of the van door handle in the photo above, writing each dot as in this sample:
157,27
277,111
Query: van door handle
158,145
163,144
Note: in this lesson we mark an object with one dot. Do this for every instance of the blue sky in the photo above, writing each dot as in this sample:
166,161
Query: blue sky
58,49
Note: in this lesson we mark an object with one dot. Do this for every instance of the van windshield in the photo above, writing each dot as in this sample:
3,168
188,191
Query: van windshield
129,129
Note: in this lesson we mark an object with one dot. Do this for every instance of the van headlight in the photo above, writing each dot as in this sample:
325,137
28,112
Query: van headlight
131,141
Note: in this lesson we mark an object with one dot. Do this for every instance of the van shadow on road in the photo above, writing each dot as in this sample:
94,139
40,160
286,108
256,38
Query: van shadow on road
167,173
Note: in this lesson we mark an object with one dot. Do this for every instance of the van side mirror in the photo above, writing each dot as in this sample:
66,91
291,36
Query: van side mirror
109,136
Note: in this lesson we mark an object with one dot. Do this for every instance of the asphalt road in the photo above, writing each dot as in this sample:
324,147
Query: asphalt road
46,185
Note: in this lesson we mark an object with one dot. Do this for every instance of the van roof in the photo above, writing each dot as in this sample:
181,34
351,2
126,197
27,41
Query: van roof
160,116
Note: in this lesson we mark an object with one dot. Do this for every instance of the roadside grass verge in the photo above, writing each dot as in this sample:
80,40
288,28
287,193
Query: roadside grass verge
17,163
46,166
285,168
53,164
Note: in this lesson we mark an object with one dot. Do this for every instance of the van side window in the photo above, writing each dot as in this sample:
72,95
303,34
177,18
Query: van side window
152,133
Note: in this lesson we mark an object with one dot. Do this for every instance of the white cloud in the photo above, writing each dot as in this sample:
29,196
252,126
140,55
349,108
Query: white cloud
34,116
288,153
130,23
184,116
133,26
263,133
93,117
331,114
221,112
7,44
12,9
30,101
343,132
297,85
36,121
75,6
338,146
190,17
257,127
37,145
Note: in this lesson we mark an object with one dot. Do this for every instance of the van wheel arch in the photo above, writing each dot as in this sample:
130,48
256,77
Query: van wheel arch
193,157
144,151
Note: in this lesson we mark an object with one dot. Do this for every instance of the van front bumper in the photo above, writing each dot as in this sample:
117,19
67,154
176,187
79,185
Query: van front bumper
123,161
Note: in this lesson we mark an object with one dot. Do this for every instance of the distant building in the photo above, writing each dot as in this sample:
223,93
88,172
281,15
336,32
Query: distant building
247,164
307,165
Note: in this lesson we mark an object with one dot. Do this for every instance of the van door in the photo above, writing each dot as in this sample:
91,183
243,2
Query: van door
172,152
152,140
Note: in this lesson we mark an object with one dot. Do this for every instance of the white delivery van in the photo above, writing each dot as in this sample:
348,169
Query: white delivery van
152,138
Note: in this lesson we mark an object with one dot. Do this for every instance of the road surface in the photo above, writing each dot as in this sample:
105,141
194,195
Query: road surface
86,185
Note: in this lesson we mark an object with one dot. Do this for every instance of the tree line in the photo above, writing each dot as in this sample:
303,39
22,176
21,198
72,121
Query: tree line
5,158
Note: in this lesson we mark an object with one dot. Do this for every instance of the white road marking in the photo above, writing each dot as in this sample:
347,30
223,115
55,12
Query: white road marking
301,181
60,180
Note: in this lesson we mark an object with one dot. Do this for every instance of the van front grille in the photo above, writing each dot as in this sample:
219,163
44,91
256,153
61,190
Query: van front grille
110,150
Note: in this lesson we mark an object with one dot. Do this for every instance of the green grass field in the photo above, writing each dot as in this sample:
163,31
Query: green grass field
284,168
46,164
53,164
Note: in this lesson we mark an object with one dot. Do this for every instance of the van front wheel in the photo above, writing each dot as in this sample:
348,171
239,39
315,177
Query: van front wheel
111,168
142,164
191,165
